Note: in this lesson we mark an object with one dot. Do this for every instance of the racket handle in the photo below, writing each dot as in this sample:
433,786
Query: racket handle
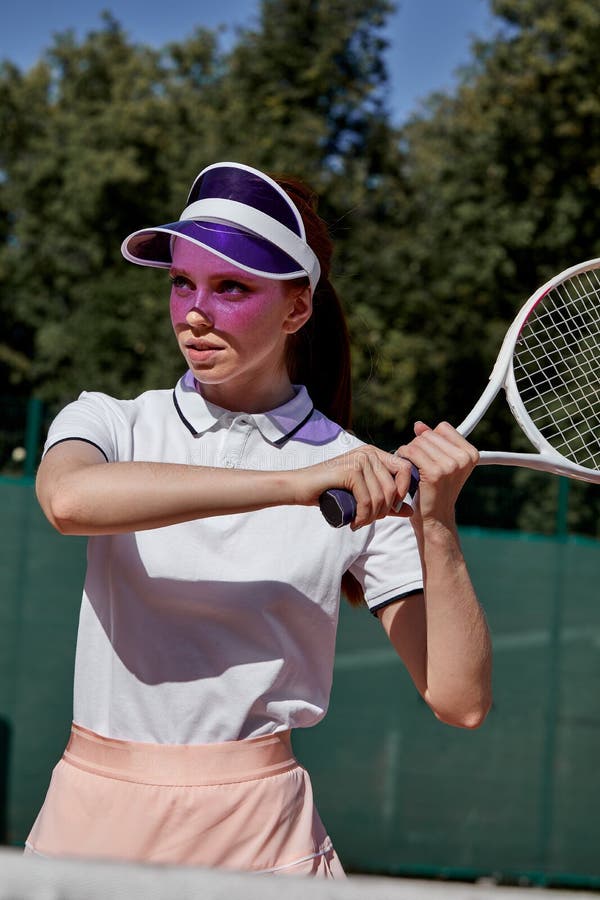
339,506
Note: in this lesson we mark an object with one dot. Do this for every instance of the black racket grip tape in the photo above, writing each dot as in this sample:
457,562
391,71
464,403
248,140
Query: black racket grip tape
339,506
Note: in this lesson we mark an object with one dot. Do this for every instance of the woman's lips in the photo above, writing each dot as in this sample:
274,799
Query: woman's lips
202,351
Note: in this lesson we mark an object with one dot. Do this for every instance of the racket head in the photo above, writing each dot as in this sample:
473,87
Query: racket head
551,371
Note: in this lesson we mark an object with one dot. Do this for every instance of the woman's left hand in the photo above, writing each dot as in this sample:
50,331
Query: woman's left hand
444,460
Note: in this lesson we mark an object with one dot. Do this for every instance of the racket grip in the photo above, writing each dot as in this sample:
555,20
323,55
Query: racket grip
339,506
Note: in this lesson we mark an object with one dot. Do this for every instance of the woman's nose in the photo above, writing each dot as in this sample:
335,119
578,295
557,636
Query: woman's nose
198,313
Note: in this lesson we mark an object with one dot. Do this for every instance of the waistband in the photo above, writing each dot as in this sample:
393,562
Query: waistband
180,764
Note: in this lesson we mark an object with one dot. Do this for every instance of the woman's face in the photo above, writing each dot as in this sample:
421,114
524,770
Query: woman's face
232,326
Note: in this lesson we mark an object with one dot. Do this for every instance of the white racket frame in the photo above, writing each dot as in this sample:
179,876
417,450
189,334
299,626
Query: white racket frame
547,459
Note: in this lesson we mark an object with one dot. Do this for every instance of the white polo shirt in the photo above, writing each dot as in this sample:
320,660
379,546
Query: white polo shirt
221,628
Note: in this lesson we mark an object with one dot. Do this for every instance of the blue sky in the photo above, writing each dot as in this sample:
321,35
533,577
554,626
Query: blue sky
429,39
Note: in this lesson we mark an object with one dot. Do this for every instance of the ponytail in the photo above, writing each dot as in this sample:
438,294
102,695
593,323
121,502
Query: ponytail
318,355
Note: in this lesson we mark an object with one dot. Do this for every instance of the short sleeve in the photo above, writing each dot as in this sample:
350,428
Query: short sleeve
95,418
388,566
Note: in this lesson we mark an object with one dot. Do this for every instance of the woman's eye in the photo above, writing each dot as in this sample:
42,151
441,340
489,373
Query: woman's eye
179,282
232,287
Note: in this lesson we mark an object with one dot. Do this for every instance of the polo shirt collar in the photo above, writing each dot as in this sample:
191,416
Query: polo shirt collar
277,426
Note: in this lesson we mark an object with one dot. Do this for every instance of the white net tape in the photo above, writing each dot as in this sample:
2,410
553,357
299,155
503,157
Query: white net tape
32,879
29,879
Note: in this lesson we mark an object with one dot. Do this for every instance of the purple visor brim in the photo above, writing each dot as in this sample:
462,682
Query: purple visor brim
152,247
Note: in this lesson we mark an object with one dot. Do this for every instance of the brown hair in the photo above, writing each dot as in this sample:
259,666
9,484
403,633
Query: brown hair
318,355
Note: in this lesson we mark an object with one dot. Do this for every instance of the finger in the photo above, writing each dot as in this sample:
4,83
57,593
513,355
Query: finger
362,486
445,438
383,492
420,427
457,452
393,462
396,478
368,497
407,482
432,456
375,499
440,449
404,475
451,434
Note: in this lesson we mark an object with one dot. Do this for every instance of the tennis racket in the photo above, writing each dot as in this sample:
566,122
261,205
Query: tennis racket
549,367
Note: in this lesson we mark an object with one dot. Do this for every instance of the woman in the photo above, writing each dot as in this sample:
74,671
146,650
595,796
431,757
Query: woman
210,605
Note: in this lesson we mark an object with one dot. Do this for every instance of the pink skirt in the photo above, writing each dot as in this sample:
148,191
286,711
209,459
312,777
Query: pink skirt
244,805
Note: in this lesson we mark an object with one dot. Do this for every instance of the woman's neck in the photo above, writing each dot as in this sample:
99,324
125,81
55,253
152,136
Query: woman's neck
250,398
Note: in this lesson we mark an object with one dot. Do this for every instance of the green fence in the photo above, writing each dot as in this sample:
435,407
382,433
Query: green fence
399,792
518,798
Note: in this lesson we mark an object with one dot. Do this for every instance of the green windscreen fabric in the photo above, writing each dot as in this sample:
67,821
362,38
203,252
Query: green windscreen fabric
42,576
398,790
401,792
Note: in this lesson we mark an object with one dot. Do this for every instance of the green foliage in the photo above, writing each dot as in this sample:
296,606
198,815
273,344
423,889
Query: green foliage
91,143
103,137
503,192
305,85
442,228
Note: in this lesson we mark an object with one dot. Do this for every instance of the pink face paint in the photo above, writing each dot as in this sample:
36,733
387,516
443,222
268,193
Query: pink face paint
180,306
219,307
212,293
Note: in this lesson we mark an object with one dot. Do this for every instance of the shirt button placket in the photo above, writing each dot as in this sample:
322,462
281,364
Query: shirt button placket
236,441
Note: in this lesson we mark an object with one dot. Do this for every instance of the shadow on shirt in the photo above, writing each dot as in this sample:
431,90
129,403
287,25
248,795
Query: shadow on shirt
167,630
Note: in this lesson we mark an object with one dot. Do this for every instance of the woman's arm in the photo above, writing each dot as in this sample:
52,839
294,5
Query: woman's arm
81,493
443,639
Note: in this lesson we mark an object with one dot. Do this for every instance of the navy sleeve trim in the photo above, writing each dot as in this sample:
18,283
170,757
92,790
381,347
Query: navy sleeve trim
85,441
413,593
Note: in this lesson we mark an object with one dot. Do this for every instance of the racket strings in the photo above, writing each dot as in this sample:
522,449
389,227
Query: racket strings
572,434
556,368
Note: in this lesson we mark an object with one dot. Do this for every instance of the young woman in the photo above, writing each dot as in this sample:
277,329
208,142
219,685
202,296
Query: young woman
210,605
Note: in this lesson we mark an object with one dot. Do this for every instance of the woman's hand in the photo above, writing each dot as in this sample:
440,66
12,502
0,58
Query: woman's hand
378,480
444,460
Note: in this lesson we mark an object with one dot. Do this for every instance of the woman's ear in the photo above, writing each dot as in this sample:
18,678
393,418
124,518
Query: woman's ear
300,309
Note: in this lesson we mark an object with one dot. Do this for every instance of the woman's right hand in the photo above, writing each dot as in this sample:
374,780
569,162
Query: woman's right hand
378,480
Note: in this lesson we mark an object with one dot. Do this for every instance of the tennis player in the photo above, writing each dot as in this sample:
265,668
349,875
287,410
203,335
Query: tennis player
210,605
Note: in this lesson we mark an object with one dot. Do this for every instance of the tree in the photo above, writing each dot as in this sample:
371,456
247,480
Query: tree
91,137
104,136
504,185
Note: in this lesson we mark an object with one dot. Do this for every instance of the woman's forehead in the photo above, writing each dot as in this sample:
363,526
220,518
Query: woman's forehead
190,256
